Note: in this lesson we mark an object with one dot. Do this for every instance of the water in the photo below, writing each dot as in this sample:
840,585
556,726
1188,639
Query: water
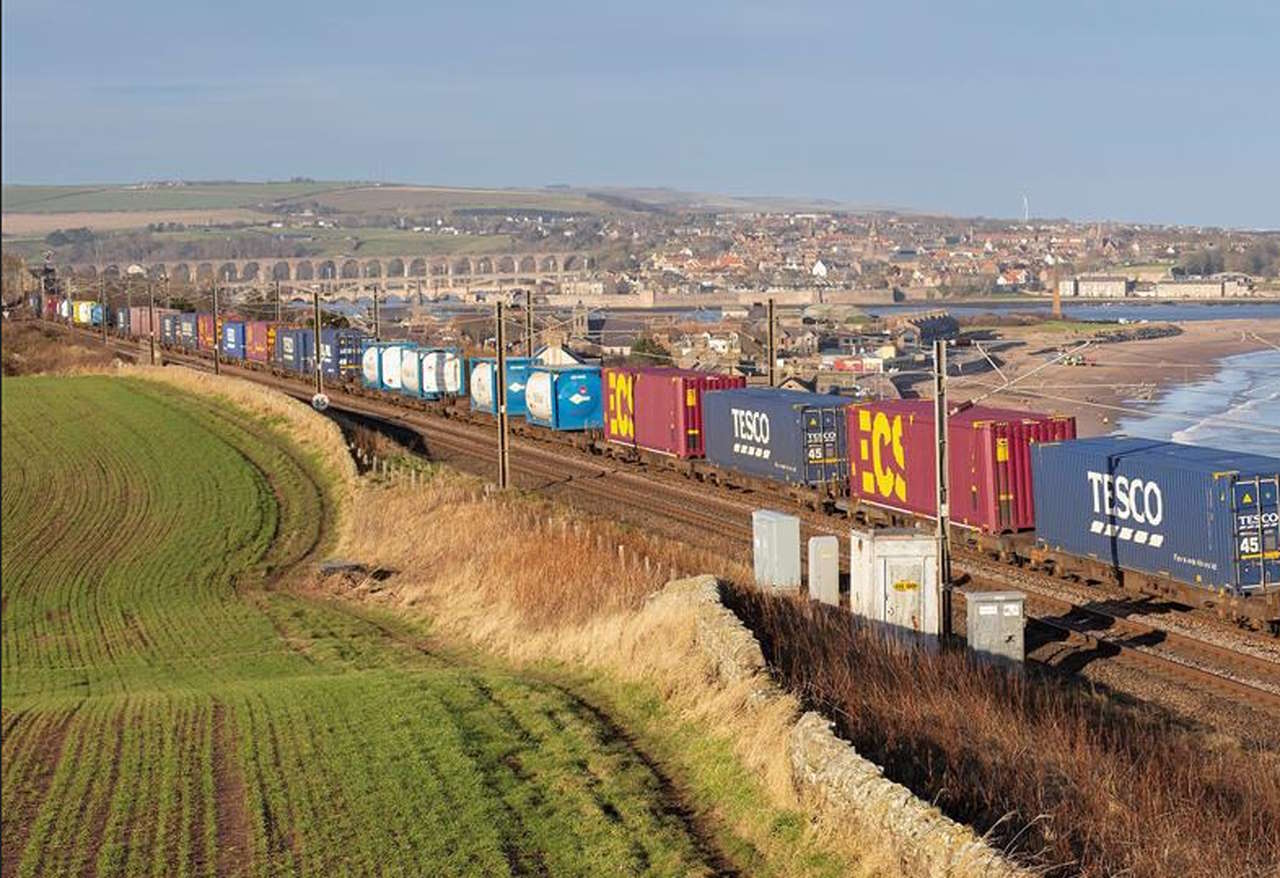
1237,408
1103,311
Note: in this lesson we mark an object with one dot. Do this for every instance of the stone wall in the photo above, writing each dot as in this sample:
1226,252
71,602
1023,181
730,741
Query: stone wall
925,841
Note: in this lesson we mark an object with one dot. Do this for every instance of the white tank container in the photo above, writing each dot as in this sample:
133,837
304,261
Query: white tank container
442,373
409,373
369,366
391,355
537,395
893,579
482,386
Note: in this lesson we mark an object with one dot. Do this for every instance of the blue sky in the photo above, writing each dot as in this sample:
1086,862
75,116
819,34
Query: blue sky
1145,111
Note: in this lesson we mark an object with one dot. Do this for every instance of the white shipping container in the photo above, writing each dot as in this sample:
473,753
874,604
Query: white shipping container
893,579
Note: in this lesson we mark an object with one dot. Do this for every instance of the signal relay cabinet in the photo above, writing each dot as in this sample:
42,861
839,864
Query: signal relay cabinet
995,624
775,542
893,576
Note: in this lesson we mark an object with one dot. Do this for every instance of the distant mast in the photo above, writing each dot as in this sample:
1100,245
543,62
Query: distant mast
1026,208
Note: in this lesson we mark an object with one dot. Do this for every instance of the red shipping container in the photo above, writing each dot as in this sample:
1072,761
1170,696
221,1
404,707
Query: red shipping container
660,409
51,303
892,448
259,338
206,332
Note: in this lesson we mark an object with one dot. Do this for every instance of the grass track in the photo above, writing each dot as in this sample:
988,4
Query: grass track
165,712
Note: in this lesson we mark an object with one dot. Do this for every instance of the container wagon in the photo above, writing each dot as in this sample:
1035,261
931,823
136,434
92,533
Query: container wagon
340,353
659,409
380,364
564,398
893,457
484,384
784,436
1159,510
295,350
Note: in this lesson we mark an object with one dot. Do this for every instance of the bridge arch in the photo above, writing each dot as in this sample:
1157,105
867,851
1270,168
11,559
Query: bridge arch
327,270
549,264
250,271
572,262
528,264
439,267
350,269
483,265
462,266
280,271
227,271
304,270
395,267
418,268
505,265
372,268
111,271
204,271
180,273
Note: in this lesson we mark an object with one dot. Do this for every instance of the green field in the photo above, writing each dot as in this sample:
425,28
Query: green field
170,709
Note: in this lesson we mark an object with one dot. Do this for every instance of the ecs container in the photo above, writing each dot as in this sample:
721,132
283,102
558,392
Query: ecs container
443,374
296,350
233,339
660,409
782,435
206,331
484,384
565,398
259,340
340,351
893,577
380,363
1201,516
892,461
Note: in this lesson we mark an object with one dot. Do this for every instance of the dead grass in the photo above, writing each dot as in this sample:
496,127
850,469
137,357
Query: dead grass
1090,786
32,348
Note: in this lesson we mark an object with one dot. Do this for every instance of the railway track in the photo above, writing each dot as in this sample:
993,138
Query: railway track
699,514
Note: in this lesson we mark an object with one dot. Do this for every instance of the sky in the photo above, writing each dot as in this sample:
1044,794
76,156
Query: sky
1138,111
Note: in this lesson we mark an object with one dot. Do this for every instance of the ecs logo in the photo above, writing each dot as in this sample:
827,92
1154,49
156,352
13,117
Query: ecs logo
884,467
622,407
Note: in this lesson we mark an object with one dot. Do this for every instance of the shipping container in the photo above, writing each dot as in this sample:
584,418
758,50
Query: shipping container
443,374
660,409
187,329
120,320
206,331
411,372
893,458
340,351
381,363
782,435
82,311
295,350
484,384
893,579
66,309
233,339
259,341
140,320
1200,516
170,329
564,397
52,307
98,314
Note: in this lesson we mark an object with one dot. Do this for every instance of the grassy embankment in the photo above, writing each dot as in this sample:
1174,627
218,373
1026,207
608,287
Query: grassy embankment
170,706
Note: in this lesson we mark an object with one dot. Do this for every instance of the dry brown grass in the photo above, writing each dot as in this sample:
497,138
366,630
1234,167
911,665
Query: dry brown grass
34,348
1093,787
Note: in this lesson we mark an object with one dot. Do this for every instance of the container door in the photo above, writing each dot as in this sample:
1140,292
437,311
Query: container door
1256,513
823,446
904,592
620,410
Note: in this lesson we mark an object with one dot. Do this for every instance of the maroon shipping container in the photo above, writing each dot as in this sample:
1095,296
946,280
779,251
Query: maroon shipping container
259,340
892,448
206,331
140,320
51,303
660,409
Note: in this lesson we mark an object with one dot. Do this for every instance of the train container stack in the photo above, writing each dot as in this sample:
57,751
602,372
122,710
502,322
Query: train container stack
1200,516
781,435
295,350
232,335
340,353
380,364
206,331
892,461
443,374
660,409
564,398
259,341
140,320
187,330
484,384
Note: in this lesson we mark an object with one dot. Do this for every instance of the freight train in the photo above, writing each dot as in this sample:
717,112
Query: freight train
1197,525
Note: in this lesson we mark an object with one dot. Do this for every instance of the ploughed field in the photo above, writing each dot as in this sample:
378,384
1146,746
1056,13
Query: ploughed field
170,708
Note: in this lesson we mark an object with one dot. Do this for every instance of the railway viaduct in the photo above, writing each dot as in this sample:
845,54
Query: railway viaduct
351,273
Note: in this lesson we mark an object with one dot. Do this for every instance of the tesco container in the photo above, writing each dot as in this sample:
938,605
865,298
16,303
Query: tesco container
893,450
295,350
565,398
188,329
443,373
782,435
340,351
259,340
893,579
660,409
484,384
1196,515
233,341
206,331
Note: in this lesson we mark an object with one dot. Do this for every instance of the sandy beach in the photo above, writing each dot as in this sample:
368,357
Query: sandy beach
1115,380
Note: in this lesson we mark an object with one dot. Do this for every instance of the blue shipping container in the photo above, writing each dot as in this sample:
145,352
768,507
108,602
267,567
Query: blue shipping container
169,329
781,435
380,364
233,339
484,384
340,352
96,314
295,350
564,397
188,333
1201,516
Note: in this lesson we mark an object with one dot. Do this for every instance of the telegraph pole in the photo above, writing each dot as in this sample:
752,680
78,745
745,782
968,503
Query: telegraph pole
315,299
277,301
528,323
943,490
504,452
773,349
377,334
102,303
151,317
419,292
217,340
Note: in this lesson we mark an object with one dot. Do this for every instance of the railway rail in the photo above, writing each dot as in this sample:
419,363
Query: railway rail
721,519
